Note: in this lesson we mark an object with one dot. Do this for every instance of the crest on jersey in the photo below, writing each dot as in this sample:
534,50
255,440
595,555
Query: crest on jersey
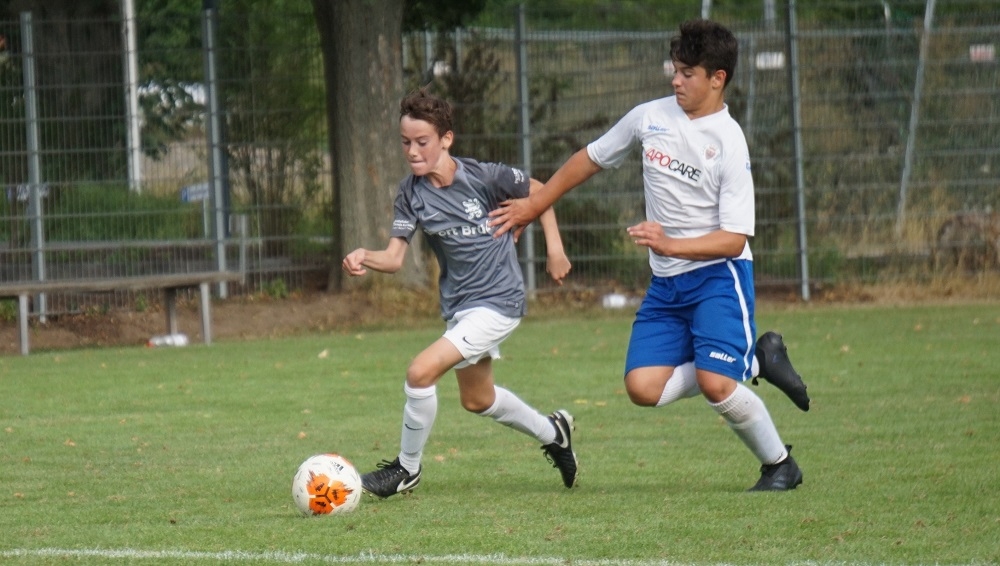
710,152
473,208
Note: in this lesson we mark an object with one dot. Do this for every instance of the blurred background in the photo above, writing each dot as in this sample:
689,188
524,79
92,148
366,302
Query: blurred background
164,136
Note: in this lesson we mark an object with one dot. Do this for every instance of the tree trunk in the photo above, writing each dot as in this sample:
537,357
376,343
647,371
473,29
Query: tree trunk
362,62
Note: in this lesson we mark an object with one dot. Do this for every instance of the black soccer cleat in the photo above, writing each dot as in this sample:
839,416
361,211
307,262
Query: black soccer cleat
560,453
783,476
776,368
389,479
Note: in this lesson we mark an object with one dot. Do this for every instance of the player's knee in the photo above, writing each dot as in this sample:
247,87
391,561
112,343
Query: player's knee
476,401
420,376
717,389
476,406
641,396
642,390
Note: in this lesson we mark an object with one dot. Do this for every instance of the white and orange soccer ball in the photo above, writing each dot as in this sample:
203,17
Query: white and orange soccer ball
326,484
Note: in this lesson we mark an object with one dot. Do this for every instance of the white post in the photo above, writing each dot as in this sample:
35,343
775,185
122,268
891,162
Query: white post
33,141
524,129
795,94
911,138
132,112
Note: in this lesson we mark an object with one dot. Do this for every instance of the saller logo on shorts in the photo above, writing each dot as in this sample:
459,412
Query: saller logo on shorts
724,357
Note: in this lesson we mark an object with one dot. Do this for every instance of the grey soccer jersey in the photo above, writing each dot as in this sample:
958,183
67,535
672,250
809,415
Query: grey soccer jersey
477,270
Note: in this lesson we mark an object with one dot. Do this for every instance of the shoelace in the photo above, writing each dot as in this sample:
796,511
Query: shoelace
387,469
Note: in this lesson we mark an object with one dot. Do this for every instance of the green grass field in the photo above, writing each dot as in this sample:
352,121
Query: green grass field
185,456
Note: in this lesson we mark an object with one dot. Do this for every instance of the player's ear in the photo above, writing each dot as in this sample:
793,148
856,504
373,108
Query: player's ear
718,78
447,139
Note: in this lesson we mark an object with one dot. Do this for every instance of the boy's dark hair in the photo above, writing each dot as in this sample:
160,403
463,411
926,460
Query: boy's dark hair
706,43
421,105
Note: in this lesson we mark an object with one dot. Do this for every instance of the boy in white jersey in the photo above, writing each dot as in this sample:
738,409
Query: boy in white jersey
699,216
482,292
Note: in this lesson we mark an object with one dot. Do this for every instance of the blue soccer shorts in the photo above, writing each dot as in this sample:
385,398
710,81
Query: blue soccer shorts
705,315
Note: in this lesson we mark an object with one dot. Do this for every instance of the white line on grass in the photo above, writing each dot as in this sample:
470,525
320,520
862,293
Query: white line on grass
363,558
297,557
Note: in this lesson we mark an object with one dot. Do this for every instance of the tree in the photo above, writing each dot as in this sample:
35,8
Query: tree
77,69
362,62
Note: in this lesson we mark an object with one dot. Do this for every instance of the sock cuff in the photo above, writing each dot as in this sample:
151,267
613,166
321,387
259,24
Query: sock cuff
499,393
419,392
738,406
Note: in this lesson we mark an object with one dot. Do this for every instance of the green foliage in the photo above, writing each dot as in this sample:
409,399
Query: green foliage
276,289
77,75
8,310
439,15
113,214
103,213
170,33
120,456
276,115
588,15
272,91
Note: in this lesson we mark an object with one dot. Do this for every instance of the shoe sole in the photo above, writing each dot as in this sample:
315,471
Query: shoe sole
407,490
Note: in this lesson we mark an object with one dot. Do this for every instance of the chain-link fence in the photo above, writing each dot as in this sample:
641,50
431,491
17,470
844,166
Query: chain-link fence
873,128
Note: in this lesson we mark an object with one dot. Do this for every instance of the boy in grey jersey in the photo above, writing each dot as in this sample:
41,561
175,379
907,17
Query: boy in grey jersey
482,292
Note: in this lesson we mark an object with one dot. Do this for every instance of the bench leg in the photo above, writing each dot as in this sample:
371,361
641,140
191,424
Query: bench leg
206,313
170,298
22,322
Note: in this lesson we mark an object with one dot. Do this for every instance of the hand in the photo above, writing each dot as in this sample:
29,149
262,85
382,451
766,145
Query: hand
513,214
353,264
558,267
649,234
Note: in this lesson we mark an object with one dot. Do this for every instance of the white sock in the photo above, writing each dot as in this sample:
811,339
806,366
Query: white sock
418,419
683,383
748,418
509,410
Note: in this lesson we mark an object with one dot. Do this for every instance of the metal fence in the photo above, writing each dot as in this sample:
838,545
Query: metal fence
875,140
875,147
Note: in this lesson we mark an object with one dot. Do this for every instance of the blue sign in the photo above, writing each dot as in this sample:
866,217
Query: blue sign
195,193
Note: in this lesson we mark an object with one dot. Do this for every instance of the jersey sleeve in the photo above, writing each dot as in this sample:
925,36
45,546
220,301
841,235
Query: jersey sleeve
510,182
404,221
736,198
611,149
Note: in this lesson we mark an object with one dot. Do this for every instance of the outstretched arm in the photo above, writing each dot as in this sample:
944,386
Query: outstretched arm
389,260
714,245
557,265
520,212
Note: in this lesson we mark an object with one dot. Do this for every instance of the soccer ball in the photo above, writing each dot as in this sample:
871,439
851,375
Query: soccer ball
326,484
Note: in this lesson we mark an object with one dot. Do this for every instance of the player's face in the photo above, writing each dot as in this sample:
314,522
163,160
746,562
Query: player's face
425,150
698,93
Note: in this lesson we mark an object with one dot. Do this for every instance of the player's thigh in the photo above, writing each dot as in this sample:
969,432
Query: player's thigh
477,333
723,324
431,363
661,335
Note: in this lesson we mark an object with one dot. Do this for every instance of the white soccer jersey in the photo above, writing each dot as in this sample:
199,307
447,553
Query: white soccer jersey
696,173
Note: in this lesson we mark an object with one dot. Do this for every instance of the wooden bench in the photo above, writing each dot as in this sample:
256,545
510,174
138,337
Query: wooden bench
170,283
